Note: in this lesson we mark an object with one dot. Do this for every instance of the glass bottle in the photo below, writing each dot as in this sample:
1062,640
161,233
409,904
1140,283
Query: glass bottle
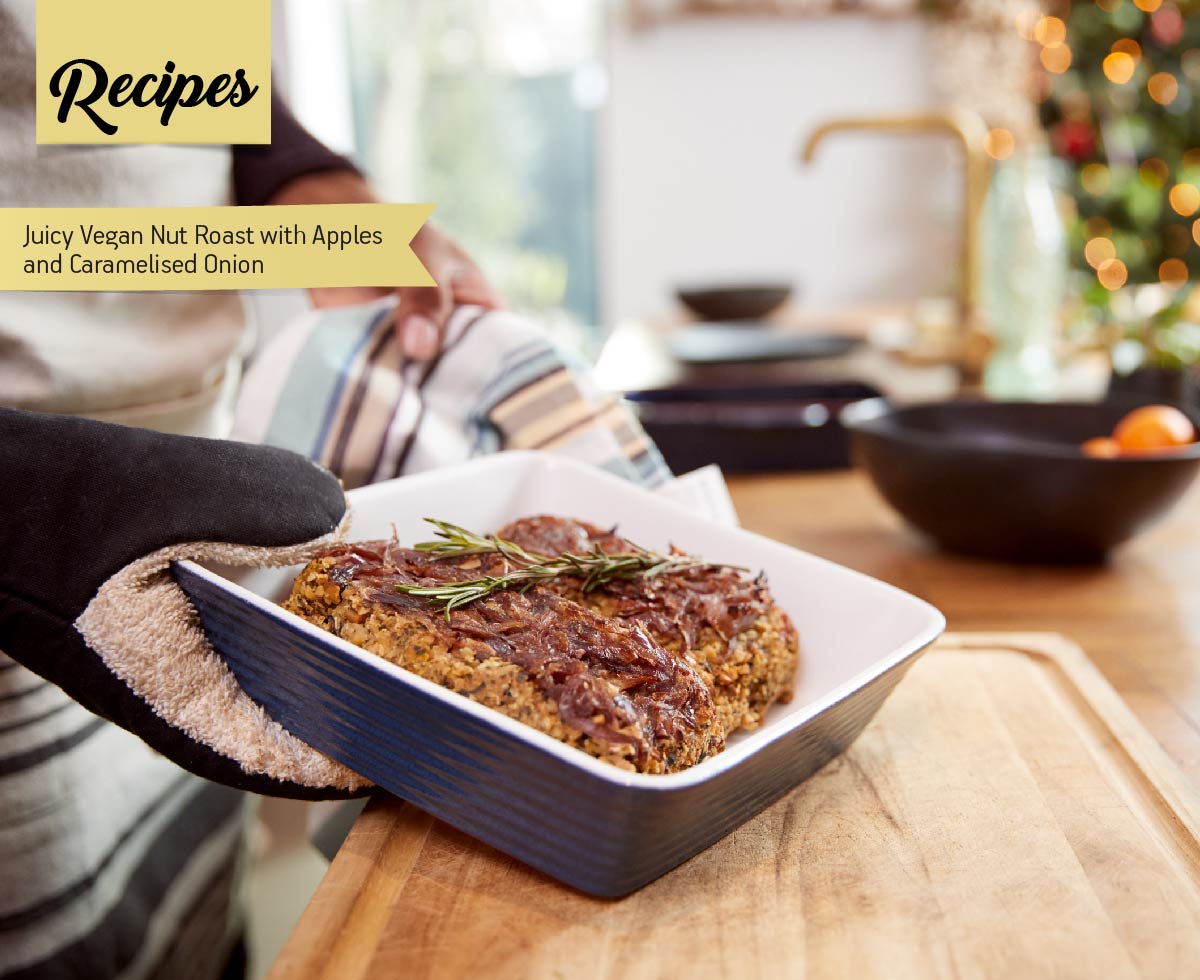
1023,275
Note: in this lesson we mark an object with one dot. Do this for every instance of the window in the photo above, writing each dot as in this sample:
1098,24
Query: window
487,107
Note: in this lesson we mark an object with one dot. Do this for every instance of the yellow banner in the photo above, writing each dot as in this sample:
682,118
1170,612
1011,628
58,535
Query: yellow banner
151,71
149,249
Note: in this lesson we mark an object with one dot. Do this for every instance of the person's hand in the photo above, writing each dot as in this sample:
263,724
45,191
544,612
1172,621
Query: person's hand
421,312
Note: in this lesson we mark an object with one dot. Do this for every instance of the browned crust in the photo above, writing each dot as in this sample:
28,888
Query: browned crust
420,641
667,666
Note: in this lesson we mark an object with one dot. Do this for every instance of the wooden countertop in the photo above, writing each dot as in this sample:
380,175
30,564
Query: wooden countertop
1137,619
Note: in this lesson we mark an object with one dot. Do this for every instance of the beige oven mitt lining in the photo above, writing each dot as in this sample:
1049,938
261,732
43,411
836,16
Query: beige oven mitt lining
144,628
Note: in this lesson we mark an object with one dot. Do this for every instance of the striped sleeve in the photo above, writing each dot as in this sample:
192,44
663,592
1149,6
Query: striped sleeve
112,860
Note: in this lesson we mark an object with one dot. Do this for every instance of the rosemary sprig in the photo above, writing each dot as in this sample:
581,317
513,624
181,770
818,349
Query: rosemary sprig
595,567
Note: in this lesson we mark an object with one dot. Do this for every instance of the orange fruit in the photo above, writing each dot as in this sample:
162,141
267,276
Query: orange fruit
1154,427
1102,447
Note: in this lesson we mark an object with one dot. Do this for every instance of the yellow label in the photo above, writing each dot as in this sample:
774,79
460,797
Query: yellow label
153,71
149,249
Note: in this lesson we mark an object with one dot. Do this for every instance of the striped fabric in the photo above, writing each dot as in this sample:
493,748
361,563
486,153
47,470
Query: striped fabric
106,848
337,387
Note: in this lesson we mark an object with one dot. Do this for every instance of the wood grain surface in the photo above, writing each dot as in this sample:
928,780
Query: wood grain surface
1137,618
1005,815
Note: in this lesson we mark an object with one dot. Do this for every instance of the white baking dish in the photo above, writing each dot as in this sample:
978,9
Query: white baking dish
602,829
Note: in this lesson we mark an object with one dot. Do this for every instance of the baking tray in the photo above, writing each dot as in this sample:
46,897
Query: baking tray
589,824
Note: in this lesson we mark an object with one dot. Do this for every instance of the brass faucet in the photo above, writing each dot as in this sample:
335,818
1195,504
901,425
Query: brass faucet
970,132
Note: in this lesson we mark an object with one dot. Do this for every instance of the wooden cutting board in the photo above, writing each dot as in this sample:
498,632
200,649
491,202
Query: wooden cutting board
1004,816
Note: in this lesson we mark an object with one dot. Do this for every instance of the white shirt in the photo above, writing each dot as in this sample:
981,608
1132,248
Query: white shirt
162,355
113,861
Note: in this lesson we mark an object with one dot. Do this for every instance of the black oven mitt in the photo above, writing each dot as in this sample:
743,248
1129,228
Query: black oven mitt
92,515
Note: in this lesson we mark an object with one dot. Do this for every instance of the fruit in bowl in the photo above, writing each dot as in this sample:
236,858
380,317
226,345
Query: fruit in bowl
1148,430
1025,481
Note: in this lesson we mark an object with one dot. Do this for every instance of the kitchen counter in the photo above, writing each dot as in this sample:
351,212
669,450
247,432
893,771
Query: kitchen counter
406,892
635,357
1137,618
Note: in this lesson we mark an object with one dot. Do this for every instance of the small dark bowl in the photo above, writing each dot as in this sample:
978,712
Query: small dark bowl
740,302
1007,480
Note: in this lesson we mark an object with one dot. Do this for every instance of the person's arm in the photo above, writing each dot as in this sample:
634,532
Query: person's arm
261,170
296,168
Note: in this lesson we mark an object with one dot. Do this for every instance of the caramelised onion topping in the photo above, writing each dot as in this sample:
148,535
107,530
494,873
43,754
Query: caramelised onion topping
680,603
608,677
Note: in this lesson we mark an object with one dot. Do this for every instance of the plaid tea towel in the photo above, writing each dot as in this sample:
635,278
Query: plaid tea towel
336,387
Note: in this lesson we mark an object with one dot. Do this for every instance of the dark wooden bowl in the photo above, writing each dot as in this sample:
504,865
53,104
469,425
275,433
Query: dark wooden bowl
1007,480
741,302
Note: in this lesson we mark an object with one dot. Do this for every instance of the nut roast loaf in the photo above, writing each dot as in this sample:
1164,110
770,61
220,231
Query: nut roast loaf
649,673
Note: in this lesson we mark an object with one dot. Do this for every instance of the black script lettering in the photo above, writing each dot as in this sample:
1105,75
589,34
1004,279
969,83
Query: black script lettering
70,95
243,91
171,91
139,97
195,95
215,88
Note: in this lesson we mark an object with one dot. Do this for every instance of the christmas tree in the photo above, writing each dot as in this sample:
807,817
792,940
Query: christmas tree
1121,105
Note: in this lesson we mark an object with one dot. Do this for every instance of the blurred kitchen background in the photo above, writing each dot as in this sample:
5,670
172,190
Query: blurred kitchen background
594,155
927,197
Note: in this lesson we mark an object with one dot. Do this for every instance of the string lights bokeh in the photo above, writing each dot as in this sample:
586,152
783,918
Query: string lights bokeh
1119,67
1154,173
1162,87
1185,199
1098,251
1112,274
1121,104
1173,273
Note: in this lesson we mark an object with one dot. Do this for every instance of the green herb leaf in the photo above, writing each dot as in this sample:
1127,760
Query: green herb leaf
596,567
